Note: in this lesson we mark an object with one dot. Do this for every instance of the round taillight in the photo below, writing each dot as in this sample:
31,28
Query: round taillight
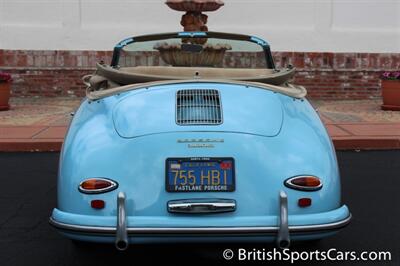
307,183
97,185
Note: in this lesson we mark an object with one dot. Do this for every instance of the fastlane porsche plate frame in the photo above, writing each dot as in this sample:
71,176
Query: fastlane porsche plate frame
220,169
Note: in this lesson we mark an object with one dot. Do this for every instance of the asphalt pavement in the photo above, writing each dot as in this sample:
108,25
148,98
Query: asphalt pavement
370,187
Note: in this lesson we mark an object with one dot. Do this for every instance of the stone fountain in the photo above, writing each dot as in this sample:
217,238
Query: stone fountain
193,21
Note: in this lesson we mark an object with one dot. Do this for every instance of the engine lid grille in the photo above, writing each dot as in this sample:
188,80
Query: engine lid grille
198,107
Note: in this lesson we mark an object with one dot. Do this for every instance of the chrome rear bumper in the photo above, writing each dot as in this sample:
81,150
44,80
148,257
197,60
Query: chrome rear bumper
121,232
273,230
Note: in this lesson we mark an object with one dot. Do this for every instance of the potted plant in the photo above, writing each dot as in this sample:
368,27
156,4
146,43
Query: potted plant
5,85
391,91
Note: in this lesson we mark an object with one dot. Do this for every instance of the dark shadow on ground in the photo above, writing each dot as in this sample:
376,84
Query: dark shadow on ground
371,189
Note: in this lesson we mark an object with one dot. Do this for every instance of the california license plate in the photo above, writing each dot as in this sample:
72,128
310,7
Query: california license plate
200,174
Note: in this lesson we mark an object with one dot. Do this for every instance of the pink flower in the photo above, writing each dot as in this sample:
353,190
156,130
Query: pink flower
5,77
391,75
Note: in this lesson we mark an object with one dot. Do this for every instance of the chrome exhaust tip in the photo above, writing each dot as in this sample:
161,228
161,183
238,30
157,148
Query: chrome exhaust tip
283,240
121,240
283,244
121,245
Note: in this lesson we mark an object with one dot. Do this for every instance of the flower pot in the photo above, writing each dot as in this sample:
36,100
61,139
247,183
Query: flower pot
391,95
195,5
4,95
179,58
210,56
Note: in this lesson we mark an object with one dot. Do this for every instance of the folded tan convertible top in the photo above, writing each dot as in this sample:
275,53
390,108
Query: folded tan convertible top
139,74
295,91
108,80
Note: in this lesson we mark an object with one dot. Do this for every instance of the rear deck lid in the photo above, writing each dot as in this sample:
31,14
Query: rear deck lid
198,107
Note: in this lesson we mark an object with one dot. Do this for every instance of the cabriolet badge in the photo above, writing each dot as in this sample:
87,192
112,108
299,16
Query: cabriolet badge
200,143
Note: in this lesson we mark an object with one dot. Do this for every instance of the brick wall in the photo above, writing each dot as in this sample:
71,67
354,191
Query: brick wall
326,75
50,73
340,75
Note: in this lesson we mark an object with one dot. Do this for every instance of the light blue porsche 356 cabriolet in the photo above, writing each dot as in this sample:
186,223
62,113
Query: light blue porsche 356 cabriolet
195,136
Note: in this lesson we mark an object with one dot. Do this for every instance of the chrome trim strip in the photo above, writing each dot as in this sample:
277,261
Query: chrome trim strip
202,230
283,239
113,186
201,206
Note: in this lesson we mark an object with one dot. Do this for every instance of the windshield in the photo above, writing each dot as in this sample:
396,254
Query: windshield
193,51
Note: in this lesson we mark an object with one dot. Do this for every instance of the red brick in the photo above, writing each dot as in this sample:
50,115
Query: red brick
298,60
327,60
362,61
385,61
383,129
52,133
395,61
30,145
326,75
373,61
15,132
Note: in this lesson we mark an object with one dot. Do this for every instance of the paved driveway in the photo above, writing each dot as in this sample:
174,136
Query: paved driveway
371,188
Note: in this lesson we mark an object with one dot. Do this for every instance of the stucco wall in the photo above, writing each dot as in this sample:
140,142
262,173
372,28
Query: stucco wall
289,25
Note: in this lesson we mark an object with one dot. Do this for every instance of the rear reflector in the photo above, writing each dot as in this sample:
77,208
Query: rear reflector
97,204
306,183
304,202
97,185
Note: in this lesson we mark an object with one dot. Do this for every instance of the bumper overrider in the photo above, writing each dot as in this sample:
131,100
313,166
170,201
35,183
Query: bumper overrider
302,225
